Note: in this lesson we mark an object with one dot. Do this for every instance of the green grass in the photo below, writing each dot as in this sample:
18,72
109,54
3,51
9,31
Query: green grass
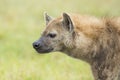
21,22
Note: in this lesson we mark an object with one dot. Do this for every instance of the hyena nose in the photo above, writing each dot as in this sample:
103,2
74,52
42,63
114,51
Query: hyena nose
36,45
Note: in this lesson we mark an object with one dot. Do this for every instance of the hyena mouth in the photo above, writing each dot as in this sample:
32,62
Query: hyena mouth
44,50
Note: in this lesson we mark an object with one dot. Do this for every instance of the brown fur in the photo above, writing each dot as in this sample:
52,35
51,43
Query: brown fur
96,41
103,50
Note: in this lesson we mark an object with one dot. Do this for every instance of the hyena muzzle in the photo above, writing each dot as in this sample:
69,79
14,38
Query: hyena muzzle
96,41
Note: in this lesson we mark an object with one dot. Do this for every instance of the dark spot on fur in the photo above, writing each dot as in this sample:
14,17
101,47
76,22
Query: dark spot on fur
101,55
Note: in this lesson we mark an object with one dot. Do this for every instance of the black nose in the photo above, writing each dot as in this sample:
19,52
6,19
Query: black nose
36,45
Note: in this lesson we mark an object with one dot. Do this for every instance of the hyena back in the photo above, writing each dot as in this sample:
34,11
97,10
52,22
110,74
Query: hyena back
96,41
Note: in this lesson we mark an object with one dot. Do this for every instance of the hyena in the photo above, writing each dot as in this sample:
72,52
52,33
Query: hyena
93,40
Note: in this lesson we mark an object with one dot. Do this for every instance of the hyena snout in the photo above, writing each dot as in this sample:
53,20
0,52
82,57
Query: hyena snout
37,45
41,47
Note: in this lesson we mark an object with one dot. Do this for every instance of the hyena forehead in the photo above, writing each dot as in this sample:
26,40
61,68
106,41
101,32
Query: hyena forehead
55,22
54,26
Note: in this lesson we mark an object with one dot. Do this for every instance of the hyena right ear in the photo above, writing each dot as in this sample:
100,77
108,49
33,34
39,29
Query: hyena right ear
47,18
67,23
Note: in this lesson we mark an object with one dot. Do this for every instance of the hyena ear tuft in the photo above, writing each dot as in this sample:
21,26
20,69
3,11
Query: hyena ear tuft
47,18
67,22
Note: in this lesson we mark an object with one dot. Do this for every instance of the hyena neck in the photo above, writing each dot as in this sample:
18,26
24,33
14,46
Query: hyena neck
78,54
78,48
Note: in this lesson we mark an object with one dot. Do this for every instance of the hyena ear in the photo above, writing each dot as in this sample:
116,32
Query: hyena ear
67,22
47,18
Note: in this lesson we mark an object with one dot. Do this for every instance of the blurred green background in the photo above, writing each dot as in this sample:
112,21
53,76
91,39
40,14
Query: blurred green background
21,23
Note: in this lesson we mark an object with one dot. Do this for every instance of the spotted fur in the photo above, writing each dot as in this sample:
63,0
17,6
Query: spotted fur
93,40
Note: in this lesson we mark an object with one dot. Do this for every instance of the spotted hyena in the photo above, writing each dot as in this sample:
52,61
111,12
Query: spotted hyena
93,40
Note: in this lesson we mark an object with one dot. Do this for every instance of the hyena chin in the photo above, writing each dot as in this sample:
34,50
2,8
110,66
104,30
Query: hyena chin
95,41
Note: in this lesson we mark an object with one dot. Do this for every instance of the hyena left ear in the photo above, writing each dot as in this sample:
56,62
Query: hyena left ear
67,22
47,18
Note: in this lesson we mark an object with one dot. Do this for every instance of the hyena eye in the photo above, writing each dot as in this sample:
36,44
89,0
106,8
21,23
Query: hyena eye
52,35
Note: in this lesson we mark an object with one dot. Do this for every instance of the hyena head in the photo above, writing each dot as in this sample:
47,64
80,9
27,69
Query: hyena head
57,36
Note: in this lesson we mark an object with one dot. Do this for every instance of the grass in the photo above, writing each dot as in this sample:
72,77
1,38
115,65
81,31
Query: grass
21,22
